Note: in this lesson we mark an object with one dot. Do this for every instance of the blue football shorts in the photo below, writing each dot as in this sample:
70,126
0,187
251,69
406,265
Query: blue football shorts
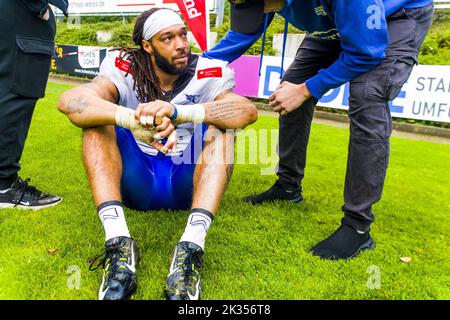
158,182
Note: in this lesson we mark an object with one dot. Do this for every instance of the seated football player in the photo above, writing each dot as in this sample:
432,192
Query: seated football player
158,133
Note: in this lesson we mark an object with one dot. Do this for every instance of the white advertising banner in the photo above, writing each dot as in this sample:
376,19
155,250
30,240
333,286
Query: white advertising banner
86,7
89,57
77,7
425,96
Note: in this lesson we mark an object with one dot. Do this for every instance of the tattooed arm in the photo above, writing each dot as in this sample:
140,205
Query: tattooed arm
230,111
92,104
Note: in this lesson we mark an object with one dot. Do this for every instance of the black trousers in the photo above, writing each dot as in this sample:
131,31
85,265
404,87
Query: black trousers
26,47
370,119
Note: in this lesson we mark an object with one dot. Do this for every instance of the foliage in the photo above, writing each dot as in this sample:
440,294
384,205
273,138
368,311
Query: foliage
86,33
436,47
435,50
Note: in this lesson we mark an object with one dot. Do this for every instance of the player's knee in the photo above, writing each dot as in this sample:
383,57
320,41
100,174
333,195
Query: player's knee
72,103
63,102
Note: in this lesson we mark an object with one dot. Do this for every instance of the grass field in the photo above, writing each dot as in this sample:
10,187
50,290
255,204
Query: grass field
251,252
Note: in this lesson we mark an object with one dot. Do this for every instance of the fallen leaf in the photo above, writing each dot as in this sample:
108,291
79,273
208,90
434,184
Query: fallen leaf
406,259
52,251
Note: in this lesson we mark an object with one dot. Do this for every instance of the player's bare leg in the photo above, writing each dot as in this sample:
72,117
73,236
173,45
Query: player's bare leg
213,172
103,165
211,177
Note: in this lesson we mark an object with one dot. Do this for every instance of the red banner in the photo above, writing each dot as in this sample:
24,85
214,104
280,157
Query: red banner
196,16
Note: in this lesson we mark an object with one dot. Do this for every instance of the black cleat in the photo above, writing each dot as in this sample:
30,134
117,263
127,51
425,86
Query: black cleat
119,269
276,192
23,196
344,243
183,281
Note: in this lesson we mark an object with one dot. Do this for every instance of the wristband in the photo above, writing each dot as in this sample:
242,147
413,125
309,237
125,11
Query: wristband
174,116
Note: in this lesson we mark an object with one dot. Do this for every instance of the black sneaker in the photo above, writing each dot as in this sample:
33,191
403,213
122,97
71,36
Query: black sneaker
344,243
183,281
23,196
276,192
119,269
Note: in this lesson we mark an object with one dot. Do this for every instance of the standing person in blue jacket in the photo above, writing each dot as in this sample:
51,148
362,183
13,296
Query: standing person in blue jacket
373,44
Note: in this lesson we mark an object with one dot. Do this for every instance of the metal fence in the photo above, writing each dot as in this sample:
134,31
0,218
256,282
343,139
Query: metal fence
442,4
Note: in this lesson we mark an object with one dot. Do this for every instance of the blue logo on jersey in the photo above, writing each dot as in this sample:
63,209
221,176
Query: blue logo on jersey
193,98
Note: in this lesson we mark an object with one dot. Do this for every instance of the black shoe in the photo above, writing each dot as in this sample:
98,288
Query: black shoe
276,192
119,269
344,243
23,196
183,281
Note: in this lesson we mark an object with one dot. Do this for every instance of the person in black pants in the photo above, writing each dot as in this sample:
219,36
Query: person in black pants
373,44
26,47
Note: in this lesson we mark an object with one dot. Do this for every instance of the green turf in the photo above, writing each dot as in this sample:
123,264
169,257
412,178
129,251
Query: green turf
251,252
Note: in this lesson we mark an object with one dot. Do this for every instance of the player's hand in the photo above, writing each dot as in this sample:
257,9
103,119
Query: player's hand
156,115
165,129
144,134
288,97
125,118
171,143
151,137
153,113
161,131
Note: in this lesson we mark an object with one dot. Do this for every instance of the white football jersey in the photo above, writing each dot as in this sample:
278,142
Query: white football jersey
209,79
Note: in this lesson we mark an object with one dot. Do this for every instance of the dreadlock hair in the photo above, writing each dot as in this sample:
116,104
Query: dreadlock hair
146,83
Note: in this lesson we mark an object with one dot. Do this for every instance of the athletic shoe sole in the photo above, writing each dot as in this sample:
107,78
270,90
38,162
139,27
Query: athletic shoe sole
295,200
101,294
8,205
368,245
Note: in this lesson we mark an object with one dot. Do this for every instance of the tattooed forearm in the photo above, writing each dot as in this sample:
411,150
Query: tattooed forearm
225,110
78,105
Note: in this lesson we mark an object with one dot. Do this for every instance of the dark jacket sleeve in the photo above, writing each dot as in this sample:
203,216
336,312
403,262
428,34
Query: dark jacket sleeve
37,7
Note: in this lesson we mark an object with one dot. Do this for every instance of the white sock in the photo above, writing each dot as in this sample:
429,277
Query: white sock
197,226
113,219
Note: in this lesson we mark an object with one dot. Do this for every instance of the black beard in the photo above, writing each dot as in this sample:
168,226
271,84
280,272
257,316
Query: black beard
165,65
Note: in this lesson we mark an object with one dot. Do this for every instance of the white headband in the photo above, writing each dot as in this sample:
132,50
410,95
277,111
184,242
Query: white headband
160,20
